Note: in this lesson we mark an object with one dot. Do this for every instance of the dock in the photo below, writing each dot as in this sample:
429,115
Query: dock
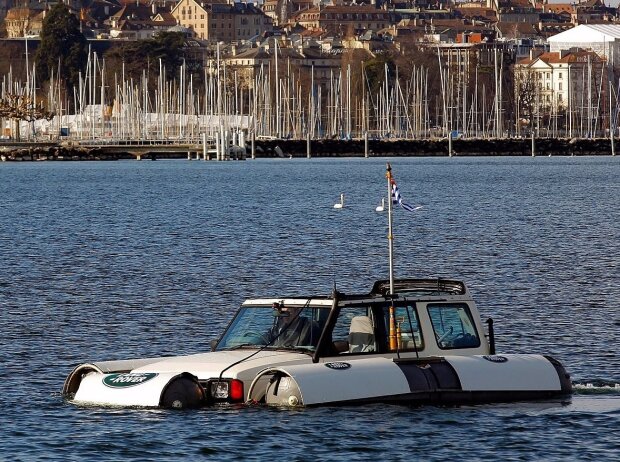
118,149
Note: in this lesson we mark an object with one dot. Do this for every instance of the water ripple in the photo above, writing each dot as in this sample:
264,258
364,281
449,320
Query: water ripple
130,259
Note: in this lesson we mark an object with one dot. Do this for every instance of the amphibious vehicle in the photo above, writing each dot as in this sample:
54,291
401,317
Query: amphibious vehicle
423,342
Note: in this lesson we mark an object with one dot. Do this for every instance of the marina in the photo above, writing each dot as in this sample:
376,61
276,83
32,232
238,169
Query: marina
224,105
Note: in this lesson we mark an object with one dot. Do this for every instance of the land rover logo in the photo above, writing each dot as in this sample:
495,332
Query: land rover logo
338,366
127,380
496,358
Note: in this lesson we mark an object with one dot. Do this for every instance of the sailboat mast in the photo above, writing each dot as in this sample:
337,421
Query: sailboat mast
388,175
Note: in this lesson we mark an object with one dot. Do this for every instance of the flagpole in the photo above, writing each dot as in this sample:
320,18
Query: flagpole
390,236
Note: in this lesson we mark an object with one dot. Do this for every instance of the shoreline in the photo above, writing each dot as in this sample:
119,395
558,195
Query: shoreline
63,151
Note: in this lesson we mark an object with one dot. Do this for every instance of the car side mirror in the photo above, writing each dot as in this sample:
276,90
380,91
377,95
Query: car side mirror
213,344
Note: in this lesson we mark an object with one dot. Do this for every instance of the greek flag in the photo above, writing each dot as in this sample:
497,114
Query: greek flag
397,199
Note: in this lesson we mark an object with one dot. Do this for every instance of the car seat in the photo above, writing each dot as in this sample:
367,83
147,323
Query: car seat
361,335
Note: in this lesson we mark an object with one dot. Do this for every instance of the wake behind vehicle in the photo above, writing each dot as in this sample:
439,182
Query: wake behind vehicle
406,340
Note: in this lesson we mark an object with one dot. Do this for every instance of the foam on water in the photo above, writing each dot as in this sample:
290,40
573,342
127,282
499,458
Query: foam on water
598,387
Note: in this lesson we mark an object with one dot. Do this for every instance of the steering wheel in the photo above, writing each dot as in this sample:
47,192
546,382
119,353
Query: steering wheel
464,340
253,333
440,340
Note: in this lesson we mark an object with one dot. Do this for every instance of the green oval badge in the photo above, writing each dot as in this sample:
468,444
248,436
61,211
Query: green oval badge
127,379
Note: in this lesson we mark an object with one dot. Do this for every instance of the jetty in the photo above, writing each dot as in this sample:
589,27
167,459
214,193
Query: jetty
165,149
118,149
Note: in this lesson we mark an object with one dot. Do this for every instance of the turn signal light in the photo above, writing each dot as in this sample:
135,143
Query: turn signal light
236,390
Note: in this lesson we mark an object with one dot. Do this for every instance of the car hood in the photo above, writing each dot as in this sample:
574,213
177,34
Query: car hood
209,365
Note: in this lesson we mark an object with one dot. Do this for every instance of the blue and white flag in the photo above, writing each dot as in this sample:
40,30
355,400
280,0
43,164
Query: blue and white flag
397,199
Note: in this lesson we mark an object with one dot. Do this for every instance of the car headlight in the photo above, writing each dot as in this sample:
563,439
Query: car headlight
219,390
230,390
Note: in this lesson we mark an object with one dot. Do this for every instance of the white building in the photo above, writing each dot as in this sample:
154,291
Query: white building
603,39
566,87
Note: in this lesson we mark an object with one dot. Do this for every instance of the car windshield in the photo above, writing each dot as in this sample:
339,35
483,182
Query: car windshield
277,326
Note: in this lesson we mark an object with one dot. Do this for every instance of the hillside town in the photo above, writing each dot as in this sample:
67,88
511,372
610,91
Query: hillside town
390,21
404,69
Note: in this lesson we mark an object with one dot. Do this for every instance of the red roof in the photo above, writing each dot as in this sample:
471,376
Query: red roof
569,58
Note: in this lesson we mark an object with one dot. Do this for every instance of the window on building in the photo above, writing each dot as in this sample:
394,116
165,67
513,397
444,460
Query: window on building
548,86
548,75
560,97
560,75
560,86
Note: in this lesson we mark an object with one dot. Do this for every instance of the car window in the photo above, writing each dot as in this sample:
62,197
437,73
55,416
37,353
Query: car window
354,331
282,328
406,328
453,326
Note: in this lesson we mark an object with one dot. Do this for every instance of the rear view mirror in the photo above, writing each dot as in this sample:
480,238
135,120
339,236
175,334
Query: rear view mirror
281,314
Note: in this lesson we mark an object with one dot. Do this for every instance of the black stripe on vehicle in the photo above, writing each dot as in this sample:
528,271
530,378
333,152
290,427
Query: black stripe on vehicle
429,376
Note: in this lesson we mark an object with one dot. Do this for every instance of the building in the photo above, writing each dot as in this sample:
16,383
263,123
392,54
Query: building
221,21
343,20
139,21
24,22
603,39
565,86
311,61
282,10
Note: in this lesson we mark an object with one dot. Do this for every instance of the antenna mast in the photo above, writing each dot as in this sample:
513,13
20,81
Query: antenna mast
388,175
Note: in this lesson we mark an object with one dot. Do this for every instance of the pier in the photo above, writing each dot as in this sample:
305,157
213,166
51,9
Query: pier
118,149
167,149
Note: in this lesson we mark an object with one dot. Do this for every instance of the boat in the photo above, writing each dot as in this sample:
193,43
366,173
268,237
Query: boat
408,340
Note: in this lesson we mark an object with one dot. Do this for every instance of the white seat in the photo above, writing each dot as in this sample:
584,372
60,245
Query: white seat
361,335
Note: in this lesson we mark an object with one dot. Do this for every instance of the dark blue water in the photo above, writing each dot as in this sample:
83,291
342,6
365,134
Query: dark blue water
133,259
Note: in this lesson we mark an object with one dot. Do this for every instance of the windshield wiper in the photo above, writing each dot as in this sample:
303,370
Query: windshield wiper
301,349
242,345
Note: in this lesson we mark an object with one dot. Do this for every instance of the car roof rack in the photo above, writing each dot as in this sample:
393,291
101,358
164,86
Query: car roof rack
417,287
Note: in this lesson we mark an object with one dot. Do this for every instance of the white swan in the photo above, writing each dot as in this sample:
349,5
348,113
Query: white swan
341,204
381,208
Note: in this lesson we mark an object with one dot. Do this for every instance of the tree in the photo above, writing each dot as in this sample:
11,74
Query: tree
63,48
166,47
527,84
21,107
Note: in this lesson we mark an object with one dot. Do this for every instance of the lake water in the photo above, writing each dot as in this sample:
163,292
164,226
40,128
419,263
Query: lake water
113,260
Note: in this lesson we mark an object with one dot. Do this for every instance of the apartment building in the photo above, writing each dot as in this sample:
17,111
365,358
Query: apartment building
565,84
343,20
219,20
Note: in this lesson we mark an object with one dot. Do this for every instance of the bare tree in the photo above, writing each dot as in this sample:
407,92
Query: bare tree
20,107
527,85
